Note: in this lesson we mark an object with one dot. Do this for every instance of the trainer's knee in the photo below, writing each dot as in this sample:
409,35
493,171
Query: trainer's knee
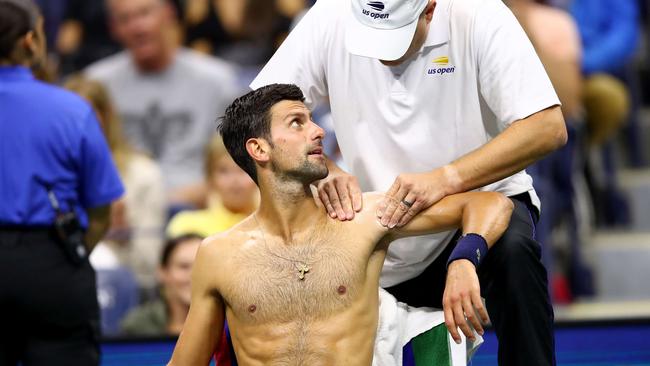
514,245
515,253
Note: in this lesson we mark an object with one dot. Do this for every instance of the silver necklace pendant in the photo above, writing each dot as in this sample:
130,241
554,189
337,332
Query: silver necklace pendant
302,269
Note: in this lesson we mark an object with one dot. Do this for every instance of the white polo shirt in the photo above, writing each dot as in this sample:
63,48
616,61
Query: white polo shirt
476,74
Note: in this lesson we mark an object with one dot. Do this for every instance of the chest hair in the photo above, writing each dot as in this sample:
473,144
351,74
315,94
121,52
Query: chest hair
265,284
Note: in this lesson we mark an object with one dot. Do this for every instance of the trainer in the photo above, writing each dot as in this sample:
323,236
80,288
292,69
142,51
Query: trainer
431,98
57,180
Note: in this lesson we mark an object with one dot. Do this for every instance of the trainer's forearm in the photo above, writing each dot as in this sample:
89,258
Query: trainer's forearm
518,146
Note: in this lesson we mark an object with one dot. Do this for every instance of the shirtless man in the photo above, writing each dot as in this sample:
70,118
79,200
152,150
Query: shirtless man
297,287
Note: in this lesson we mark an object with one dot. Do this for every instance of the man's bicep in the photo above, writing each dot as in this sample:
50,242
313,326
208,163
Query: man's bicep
204,323
201,332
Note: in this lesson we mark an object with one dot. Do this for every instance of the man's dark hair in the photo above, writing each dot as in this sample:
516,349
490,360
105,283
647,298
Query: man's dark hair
17,18
172,244
249,117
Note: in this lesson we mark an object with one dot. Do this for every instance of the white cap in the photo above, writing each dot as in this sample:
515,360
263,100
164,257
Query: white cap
382,29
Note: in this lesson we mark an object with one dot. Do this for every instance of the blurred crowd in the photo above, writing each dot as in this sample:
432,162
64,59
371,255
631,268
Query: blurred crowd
158,74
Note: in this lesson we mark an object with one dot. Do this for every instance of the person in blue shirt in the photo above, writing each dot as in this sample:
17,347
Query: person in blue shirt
57,181
610,33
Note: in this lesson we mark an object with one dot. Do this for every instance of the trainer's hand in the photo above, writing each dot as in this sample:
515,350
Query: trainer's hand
411,193
340,194
461,301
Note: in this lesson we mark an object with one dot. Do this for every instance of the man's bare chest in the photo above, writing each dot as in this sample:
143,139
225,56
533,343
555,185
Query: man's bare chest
310,280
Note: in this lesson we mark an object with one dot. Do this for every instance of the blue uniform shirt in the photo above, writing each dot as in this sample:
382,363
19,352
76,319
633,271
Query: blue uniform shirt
49,137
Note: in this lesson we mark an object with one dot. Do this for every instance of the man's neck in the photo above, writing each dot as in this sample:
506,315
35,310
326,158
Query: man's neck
157,64
287,208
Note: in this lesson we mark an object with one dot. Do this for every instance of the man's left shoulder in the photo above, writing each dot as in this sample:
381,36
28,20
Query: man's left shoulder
372,199
368,214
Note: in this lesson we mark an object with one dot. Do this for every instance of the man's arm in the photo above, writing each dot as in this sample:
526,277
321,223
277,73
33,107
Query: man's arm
484,213
204,323
519,145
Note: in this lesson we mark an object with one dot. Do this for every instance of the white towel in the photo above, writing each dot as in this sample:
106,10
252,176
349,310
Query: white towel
399,323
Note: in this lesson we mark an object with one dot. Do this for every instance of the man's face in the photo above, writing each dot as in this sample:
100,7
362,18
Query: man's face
140,26
235,188
297,143
175,277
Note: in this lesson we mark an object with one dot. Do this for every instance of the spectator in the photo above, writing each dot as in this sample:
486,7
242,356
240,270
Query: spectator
83,35
559,48
53,13
232,195
58,181
167,314
138,219
245,32
609,38
555,36
167,96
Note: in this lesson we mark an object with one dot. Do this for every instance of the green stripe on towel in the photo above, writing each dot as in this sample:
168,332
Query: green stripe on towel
431,348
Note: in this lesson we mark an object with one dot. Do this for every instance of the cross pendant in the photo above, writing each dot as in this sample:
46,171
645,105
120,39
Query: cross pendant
302,270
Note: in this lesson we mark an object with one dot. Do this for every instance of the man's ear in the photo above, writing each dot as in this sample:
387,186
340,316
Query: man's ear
428,11
258,149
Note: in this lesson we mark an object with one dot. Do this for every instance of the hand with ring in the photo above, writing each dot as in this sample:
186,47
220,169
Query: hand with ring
407,203
411,193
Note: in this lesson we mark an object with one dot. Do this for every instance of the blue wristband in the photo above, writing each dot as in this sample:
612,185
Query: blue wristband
472,247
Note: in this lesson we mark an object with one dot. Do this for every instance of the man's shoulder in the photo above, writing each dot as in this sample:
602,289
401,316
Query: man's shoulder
109,67
372,199
224,241
368,214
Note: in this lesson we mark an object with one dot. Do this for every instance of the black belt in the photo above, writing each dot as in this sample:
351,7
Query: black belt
40,231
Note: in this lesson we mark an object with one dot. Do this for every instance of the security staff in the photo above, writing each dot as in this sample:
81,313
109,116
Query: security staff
57,180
